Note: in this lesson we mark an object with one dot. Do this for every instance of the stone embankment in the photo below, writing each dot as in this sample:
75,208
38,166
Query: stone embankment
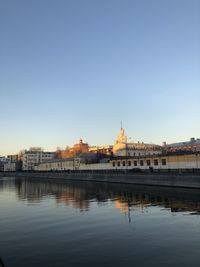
189,180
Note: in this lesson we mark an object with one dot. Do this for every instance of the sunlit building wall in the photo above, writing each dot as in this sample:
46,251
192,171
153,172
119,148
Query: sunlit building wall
74,151
107,150
155,162
124,148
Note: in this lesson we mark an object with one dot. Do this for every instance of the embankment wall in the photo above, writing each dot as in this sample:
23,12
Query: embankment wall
155,179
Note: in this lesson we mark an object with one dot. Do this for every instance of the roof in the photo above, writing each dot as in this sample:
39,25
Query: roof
192,142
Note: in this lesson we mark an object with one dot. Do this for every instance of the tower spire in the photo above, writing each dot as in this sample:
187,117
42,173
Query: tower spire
121,125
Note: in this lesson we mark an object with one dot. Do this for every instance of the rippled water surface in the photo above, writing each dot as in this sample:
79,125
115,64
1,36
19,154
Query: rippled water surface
52,223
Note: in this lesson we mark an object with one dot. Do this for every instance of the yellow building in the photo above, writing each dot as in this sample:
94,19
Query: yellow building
167,162
154,162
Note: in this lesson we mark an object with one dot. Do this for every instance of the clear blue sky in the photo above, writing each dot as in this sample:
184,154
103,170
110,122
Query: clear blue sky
76,68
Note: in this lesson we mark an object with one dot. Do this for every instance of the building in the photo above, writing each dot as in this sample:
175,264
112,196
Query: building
81,147
83,162
190,146
107,150
35,156
160,162
124,148
88,161
12,166
74,151
14,157
184,161
3,161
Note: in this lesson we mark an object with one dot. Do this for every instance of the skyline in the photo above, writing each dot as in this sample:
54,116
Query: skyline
72,70
129,140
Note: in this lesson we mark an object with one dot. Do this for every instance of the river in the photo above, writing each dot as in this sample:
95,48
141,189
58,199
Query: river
53,223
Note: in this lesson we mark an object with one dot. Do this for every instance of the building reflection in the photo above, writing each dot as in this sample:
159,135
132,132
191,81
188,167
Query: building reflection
125,198
1,263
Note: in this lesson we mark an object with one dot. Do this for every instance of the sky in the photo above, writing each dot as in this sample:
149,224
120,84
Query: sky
72,69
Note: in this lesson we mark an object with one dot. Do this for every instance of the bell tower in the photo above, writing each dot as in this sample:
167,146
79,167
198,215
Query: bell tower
122,138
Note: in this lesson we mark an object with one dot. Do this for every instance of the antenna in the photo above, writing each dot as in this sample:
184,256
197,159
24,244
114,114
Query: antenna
121,125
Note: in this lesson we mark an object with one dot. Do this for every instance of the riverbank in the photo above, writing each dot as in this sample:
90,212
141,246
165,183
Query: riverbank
152,179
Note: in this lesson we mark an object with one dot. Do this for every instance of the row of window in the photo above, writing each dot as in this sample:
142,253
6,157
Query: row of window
141,154
59,165
140,163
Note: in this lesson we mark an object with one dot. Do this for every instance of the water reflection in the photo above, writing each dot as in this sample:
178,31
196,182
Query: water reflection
41,224
126,198
1,263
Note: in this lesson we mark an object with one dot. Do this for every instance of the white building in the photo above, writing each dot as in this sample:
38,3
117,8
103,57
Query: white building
3,161
10,166
124,148
71,164
35,156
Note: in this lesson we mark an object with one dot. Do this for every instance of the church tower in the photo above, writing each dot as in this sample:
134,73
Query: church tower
121,142
122,138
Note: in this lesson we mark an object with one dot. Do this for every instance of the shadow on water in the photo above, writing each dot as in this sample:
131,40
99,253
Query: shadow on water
80,194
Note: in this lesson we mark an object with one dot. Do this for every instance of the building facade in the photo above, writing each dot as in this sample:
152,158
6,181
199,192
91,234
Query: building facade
188,146
3,161
107,150
71,164
14,157
74,151
10,166
158,162
124,148
35,156
150,162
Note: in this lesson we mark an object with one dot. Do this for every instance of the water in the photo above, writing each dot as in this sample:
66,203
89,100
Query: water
51,223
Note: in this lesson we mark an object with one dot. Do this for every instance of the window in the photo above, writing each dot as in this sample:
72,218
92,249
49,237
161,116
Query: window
135,163
129,163
155,162
118,163
164,162
148,162
113,164
124,163
141,162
